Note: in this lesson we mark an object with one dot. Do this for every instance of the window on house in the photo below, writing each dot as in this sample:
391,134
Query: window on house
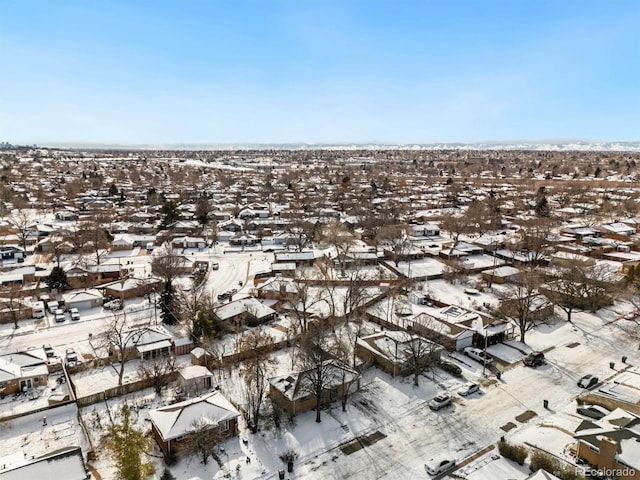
224,425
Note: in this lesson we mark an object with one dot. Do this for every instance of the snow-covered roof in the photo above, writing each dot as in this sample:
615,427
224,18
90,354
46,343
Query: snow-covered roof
250,305
194,371
66,463
179,419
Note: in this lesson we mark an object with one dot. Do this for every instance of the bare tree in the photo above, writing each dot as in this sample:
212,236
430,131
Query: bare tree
120,341
582,285
316,365
337,235
94,236
421,354
21,222
204,438
160,371
302,299
534,240
256,370
395,240
521,301
11,298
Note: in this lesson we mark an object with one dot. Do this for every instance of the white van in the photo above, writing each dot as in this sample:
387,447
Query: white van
38,310
52,306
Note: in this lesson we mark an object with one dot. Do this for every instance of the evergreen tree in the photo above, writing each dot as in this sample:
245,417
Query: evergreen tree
57,279
168,305
542,204
171,213
128,446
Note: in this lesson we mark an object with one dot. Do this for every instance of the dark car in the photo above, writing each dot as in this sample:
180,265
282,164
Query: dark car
449,367
534,359
592,411
224,296
588,381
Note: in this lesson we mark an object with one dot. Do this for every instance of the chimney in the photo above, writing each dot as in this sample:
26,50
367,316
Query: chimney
608,450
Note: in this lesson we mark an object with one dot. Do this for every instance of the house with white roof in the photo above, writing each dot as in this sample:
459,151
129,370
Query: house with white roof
394,350
174,425
21,371
249,311
294,392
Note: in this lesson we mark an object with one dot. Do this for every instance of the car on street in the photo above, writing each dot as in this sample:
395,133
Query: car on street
534,359
450,367
468,389
439,465
588,381
477,354
75,314
592,411
440,401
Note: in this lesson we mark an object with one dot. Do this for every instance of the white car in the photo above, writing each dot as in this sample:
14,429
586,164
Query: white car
75,314
113,305
440,401
468,389
438,465
477,354
59,317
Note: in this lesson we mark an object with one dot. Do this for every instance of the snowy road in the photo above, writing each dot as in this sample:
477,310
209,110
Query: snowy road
415,434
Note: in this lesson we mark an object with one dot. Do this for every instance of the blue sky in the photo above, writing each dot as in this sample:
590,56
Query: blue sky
397,71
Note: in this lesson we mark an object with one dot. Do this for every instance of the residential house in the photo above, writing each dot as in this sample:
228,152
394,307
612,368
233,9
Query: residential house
82,300
611,443
394,351
12,254
248,311
67,463
22,371
294,392
188,242
173,426
130,287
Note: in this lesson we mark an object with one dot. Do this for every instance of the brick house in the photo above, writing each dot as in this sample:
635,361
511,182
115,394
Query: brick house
173,426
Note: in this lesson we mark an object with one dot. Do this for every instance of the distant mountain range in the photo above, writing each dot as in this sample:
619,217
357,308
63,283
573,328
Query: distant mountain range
555,145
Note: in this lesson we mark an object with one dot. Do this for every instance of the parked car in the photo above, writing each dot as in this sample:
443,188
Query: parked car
452,368
223,296
477,354
534,359
592,411
48,350
468,389
59,317
440,401
588,381
75,314
113,305
439,465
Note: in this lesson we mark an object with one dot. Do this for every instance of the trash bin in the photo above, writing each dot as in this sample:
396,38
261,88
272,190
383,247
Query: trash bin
289,466
545,403
498,374
612,365
281,474
624,359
